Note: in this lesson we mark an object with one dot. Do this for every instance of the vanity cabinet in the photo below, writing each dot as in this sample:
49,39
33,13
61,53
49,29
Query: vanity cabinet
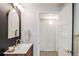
28,53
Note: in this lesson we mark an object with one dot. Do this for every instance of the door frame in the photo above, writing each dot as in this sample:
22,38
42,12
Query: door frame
38,17
72,29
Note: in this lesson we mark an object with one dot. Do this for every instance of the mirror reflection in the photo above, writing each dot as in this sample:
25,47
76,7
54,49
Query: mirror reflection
13,24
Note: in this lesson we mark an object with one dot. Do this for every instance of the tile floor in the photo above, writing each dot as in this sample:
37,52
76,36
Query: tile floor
48,53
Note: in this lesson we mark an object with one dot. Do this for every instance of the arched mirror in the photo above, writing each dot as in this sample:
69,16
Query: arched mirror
13,24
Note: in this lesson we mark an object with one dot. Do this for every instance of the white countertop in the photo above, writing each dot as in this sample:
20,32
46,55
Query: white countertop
20,49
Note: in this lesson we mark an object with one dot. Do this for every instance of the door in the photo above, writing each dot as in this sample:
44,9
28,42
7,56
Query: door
64,31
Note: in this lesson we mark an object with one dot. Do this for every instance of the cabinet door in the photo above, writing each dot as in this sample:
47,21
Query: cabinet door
30,51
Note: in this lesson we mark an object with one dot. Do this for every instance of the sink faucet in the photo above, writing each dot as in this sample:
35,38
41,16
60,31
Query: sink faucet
17,42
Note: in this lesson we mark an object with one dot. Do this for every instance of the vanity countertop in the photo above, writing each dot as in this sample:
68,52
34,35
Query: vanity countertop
20,49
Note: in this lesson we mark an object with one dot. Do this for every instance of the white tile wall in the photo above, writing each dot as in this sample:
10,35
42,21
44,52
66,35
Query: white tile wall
65,29
76,29
47,35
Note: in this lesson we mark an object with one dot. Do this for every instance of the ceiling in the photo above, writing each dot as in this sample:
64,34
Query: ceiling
46,4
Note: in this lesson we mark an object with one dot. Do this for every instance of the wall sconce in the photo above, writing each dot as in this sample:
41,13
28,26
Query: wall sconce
18,6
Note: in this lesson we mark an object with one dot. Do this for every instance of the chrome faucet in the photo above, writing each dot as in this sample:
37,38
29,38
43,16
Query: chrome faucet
17,42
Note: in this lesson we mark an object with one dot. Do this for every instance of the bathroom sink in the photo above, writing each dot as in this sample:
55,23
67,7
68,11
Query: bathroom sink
21,48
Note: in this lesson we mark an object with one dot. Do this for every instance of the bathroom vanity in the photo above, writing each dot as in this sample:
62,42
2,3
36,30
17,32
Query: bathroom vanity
10,32
25,49
14,36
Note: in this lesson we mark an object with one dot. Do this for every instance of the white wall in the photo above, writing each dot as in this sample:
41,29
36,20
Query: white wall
47,35
64,32
76,16
76,29
30,21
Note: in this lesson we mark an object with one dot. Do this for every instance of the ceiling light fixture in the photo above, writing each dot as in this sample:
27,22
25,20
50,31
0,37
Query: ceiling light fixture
50,22
49,16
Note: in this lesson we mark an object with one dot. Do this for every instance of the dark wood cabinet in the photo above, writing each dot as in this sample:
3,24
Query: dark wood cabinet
28,53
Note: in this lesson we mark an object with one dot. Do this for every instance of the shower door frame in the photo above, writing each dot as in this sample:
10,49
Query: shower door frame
72,28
